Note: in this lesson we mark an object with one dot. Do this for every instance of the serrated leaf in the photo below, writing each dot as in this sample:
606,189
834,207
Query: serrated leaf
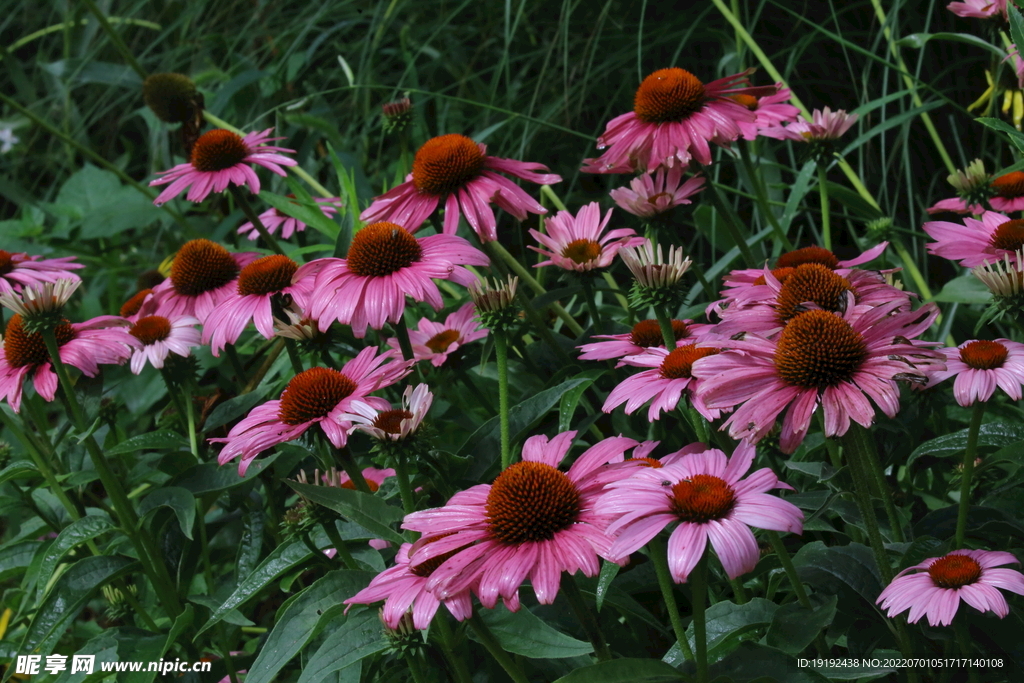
523,633
297,624
180,500
153,441
624,671
360,636
79,531
998,434
363,508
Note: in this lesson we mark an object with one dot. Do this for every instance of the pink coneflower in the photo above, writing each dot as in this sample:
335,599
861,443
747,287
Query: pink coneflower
219,158
825,125
436,341
820,358
385,264
159,336
650,194
458,170
392,424
674,118
132,309
264,283
403,586
671,375
273,219
1004,193
978,9
315,396
771,111
706,493
534,521
86,346
644,335
977,241
968,575
19,269
576,243
980,366
203,275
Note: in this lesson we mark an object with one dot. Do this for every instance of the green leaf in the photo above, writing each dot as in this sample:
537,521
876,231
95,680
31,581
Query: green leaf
97,201
251,544
727,624
1016,24
624,671
918,40
297,624
965,289
754,662
209,477
1016,137
609,570
861,674
232,408
523,633
485,443
283,559
180,500
853,564
998,434
363,508
18,470
571,399
153,441
15,557
795,626
79,531
853,201
360,636
307,213
69,595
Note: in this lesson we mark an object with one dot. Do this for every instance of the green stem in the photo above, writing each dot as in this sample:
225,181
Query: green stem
963,639
699,591
190,414
728,220
586,618
853,449
446,638
495,249
251,214
665,323
415,668
826,211
659,556
501,355
293,355
762,197
965,478
588,290
402,332
911,267
497,651
874,470
236,362
339,544
404,485
794,581
42,464
344,456
115,38
739,591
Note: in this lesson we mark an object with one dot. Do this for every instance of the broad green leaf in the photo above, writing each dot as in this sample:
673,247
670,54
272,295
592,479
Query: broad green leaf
284,558
1016,24
524,634
16,556
180,500
79,531
608,572
861,674
965,289
998,434
69,595
571,399
251,544
363,508
853,564
297,624
852,201
209,477
18,470
96,200
360,636
624,671
795,626
313,217
153,441
918,40
754,662
233,407
104,648
1016,137
727,623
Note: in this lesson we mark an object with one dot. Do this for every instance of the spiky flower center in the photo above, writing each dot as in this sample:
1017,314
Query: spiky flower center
1009,236
954,571
780,274
798,257
647,333
679,363
531,501
983,355
217,150
582,250
6,262
702,498
440,342
132,306
23,348
744,100
818,349
647,462
668,95
370,484
811,282
266,275
1009,186
446,163
312,394
201,266
381,249
151,329
390,421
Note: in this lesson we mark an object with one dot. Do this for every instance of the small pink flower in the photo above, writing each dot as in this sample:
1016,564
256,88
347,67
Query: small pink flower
203,274
436,341
977,241
981,366
824,125
674,118
978,9
671,375
19,270
650,194
86,346
318,396
458,170
576,243
706,493
392,424
644,335
273,219
935,587
384,265
159,336
220,158
534,521
771,111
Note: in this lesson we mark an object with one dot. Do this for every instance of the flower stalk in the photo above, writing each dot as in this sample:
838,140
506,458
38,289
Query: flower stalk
658,554
965,478
251,214
501,356
586,618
